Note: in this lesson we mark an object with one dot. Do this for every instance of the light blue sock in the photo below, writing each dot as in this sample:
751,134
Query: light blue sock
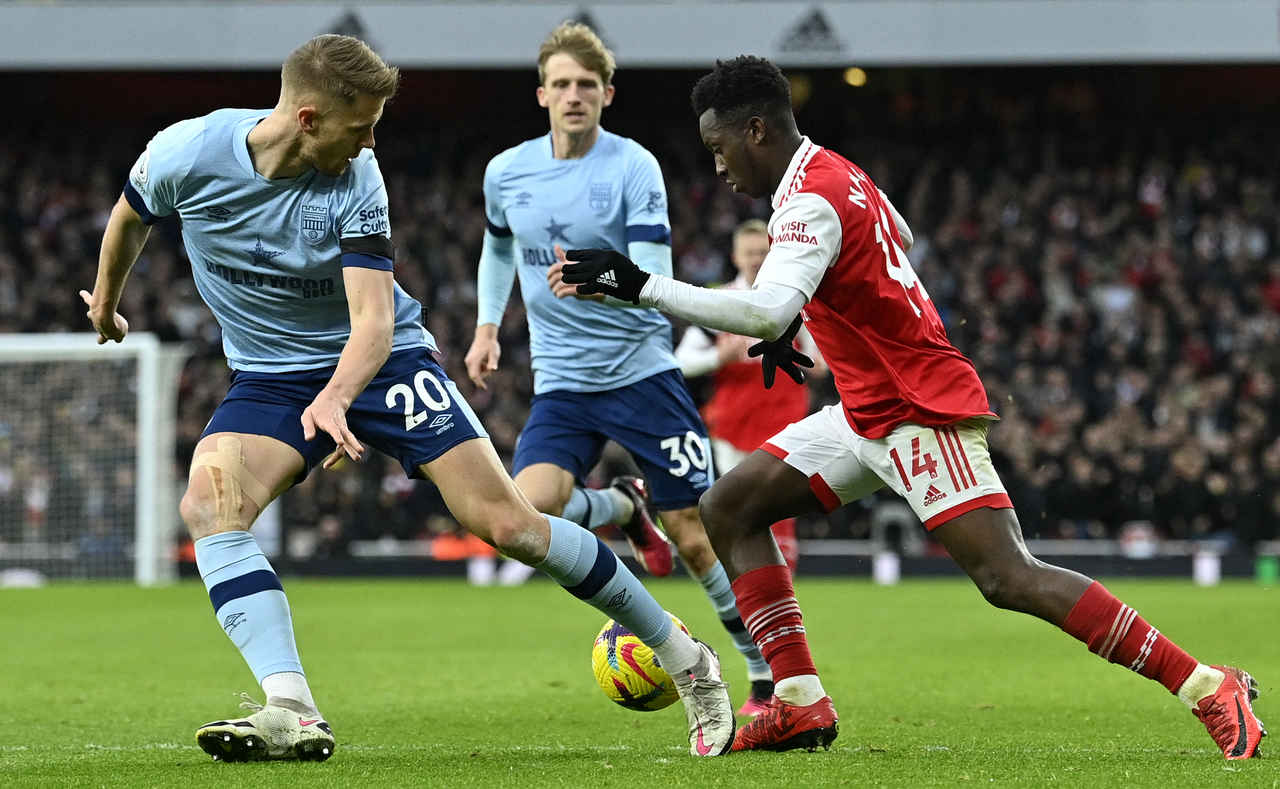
716,582
592,508
584,565
249,601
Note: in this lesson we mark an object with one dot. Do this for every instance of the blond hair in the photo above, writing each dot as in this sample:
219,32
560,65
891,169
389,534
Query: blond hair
340,67
580,43
750,226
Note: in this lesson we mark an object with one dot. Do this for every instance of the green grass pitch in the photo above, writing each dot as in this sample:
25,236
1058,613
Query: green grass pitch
433,683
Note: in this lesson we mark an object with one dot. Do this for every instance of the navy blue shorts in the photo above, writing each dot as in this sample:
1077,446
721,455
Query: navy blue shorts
410,411
654,419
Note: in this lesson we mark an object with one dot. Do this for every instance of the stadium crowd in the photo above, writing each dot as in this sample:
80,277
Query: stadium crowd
1116,282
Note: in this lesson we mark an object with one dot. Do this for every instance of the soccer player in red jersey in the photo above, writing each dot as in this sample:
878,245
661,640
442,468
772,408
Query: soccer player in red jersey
913,416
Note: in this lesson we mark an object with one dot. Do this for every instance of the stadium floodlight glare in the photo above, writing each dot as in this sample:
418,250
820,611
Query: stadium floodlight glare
86,443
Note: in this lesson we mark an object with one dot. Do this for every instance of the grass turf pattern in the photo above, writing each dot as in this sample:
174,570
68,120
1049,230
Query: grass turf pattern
434,683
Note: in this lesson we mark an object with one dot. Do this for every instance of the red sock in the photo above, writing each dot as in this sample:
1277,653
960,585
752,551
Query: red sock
1113,631
769,609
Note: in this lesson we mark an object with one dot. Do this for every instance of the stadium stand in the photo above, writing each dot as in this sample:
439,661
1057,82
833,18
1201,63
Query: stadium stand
1116,280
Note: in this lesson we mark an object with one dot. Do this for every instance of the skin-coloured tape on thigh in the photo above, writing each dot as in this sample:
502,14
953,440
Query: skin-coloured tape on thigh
232,481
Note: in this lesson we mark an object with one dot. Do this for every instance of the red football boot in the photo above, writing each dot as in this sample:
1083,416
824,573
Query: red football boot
649,545
782,727
1228,715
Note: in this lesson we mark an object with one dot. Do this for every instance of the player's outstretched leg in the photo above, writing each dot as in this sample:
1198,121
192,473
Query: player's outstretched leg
231,473
738,511
988,544
487,502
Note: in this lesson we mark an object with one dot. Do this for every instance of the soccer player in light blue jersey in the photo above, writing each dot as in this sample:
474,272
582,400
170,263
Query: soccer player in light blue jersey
600,373
284,217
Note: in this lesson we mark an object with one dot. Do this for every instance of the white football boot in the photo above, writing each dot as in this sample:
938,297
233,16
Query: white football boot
707,706
272,731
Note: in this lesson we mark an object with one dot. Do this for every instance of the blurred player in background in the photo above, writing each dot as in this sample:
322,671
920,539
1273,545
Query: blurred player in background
742,414
913,416
599,373
284,218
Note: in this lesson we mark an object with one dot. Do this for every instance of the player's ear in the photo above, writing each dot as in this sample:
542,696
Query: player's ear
542,97
756,131
609,90
308,116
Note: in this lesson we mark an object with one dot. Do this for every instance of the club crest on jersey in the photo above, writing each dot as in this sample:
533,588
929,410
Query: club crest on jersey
601,197
315,223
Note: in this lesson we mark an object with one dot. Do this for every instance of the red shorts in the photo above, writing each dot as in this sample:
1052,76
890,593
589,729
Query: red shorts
942,472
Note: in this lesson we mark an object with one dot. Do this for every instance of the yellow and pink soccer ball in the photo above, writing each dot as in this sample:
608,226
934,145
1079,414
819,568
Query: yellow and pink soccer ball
628,672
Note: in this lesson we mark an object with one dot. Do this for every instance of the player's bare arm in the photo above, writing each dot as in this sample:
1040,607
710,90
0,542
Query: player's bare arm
122,242
371,303
483,355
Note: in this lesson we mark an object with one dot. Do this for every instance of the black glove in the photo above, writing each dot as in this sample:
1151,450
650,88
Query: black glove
604,271
781,354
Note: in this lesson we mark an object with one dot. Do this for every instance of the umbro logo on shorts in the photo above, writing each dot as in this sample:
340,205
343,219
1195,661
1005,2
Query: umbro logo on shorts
933,495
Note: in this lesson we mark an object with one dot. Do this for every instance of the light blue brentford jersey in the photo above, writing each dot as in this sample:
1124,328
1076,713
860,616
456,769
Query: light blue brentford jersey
610,197
265,252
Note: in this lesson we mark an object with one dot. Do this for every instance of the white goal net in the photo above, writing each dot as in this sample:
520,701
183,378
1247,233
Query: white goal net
86,457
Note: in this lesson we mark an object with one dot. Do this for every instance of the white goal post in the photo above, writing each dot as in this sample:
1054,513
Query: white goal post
87,438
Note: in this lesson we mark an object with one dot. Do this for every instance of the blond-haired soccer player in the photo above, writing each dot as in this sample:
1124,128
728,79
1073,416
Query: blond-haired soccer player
284,217
599,373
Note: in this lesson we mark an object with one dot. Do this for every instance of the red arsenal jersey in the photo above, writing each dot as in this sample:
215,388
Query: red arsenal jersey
832,236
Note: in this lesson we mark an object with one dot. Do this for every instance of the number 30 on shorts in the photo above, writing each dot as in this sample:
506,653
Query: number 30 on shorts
429,389
685,452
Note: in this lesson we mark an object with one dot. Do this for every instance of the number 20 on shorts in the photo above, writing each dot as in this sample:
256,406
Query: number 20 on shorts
434,401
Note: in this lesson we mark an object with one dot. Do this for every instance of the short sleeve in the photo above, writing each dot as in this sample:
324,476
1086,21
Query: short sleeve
645,199
804,241
365,212
153,188
494,214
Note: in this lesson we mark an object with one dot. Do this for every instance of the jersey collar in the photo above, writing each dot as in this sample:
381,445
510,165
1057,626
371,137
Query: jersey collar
794,176
597,145
241,146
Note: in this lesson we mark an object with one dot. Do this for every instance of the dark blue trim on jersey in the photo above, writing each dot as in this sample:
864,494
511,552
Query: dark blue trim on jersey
136,202
659,234
361,260
500,232
605,567
243,586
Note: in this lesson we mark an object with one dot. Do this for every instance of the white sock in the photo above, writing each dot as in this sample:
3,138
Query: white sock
799,691
290,685
1203,681
678,652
